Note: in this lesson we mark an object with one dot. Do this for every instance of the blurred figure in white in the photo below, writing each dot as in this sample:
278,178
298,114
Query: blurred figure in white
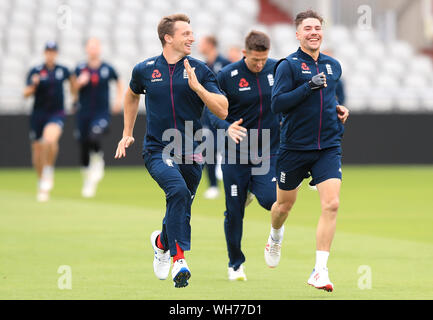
45,83
93,113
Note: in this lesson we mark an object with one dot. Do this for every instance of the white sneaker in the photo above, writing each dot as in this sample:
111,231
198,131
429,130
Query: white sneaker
212,193
237,275
96,166
250,198
89,185
42,196
43,192
320,280
272,252
47,179
161,259
180,273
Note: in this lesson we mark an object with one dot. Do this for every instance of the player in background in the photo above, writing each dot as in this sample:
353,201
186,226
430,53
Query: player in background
247,85
234,53
45,83
208,47
311,134
93,114
176,87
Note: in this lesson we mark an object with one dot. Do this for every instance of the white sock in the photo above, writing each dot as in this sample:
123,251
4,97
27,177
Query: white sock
277,234
47,171
321,260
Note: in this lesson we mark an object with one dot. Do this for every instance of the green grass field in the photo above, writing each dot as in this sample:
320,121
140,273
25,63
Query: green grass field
385,222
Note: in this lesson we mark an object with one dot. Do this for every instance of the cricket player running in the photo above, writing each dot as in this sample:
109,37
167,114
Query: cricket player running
248,85
45,83
177,87
93,114
312,129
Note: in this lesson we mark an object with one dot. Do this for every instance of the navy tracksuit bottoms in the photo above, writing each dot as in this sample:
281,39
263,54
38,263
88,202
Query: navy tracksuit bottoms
179,182
238,180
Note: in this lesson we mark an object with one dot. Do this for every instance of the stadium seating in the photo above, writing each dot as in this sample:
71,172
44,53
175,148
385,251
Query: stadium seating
380,76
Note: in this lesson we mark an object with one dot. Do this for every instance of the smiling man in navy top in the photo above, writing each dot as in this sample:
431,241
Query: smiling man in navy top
312,129
45,83
248,85
176,87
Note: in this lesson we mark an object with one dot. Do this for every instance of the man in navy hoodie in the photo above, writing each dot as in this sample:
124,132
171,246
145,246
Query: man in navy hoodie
312,129
176,87
248,85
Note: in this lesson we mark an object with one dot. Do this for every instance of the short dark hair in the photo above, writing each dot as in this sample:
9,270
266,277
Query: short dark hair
166,25
212,40
301,16
257,41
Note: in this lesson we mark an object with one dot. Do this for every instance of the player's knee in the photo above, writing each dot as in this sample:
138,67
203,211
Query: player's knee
266,202
331,206
50,140
283,208
95,138
179,193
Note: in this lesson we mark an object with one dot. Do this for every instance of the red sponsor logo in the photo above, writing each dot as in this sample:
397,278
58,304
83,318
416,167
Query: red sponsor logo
304,66
243,83
156,74
43,73
94,78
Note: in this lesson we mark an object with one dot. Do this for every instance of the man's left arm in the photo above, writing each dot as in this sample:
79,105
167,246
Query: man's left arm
342,111
217,103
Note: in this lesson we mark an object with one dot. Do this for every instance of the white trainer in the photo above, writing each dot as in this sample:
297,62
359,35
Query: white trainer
272,252
237,275
320,280
42,196
46,182
180,273
212,193
89,185
96,165
161,259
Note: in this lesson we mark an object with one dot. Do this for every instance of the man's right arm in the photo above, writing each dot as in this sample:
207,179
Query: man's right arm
130,112
284,96
32,83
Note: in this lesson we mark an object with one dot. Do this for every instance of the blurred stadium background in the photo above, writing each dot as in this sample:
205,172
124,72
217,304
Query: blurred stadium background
385,48
380,43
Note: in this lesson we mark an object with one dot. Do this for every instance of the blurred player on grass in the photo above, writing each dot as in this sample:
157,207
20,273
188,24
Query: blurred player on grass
247,85
311,134
209,48
45,83
176,87
93,114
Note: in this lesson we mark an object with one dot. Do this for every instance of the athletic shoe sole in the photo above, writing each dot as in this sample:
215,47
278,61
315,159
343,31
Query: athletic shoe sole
182,277
327,288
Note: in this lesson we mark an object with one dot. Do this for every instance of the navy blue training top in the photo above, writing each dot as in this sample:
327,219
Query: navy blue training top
219,63
170,102
249,96
49,95
310,119
94,96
